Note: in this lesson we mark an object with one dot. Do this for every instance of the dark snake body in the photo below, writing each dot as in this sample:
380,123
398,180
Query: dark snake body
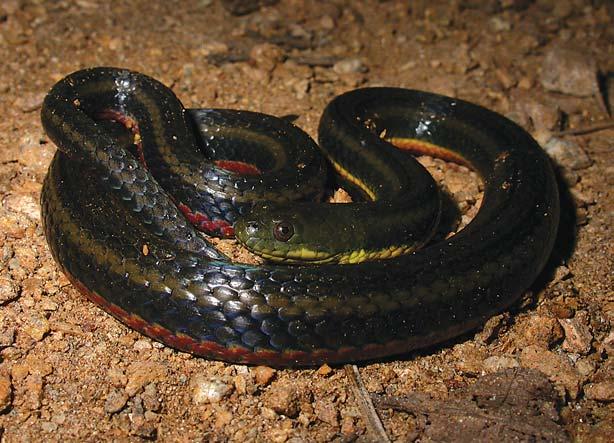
122,241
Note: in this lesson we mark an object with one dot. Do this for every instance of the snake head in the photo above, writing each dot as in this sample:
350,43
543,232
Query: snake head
285,234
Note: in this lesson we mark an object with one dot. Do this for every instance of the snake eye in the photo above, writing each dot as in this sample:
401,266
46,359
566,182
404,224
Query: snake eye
283,231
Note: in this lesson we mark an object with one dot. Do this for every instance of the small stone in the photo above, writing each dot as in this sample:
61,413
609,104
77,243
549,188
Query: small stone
8,290
603,391
471,358
608,344
143,373
48,305
268,413
349,65
578,337
117,377
240,384
498,363
532,111
48,426
20,371
38,366
324,370
284,400
6,393
586,367
223,417
567,153
506,78
562,9
557,367
37,327
326,412
59,418
206,390
542,331
266,56
143,428
29,102
560,274
150,398
517,5
327,22
244,7
348,427
498,24
33,391
115,402
525,83
560,309
7,337
569,70
142,345
263,375
23,204
214,47
492,328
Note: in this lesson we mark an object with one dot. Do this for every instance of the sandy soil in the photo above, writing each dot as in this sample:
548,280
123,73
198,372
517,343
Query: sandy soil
68,371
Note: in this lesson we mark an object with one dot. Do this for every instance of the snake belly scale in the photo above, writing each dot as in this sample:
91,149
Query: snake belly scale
122,241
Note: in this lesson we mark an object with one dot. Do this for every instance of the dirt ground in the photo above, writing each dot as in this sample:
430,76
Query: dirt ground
70,372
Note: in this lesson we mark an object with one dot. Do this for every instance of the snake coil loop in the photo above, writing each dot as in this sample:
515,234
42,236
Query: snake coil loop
121,240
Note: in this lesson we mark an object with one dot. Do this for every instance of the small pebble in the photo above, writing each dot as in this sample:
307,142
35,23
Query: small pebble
542,331
151,401
37,327
244,7
569,70
603,391
142,345
143,428
214,47
206,390
223,417
284,400
263,375
498,363
8,290
326,412
327,22
348,427
143,373
266,56
33,391
7,337
115,402
117,377
567,153
558,368
349,65
23,204
240,384
6,393
578,337
325,370
471,358
498,24
48,426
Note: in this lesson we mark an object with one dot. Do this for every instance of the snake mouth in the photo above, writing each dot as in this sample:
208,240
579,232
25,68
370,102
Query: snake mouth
252,235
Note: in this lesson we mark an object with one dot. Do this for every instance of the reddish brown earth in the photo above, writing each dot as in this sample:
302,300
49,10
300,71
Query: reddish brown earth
68,371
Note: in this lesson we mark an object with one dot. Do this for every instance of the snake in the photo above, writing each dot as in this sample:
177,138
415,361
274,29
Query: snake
125,242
